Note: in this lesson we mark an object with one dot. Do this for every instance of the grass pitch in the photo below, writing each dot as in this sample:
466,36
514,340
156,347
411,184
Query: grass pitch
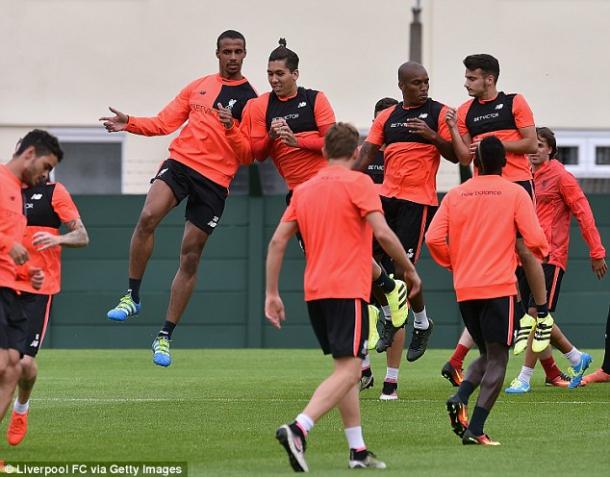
218,410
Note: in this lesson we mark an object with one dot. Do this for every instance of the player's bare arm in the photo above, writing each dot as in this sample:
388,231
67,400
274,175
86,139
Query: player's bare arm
76,237
460,144
274,307
528,144
115,123
366,156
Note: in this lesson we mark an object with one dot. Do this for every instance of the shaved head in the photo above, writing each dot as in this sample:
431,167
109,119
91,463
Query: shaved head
410,69
413,81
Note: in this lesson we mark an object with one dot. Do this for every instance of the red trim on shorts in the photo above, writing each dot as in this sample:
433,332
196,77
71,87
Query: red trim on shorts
357,326
47,313
422,232
511,320
553,287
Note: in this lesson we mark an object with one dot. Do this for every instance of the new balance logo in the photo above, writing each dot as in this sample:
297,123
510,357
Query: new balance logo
161,172
37,197
214,222
202,92
36,342
499,106
231,103
302,104
410,253
423,116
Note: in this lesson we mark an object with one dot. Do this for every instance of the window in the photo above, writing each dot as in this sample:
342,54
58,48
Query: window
586,154
93,161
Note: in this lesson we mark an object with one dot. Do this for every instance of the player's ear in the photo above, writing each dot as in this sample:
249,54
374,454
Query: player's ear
324,152
217,54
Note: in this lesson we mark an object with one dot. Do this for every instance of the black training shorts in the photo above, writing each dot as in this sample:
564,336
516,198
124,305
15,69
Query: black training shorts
489,320
341,325
13,324
206,199
409,221
37,309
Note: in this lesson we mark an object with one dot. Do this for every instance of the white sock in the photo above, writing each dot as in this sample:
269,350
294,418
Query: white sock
305,422
391,375
366,362
354,438
525,375
21,408
421,320
387,314
573,356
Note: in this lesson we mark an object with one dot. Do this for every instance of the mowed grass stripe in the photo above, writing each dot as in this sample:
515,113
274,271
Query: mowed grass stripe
218,410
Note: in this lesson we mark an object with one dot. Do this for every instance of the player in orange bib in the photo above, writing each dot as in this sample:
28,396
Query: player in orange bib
474,235
509,118
200,168
415,136
48,206
337,212
36,155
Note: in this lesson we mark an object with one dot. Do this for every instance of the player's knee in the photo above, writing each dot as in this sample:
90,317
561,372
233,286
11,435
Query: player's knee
147,222
189,261
29,369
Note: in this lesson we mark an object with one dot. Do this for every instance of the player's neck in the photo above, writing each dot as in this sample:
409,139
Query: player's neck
536,167
341,161
491,93
231,77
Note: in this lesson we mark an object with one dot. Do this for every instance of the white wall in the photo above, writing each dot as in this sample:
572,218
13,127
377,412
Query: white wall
65,61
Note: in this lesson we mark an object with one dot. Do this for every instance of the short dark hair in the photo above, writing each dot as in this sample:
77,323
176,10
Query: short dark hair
549,137
283,53
384,103
233,35
490,157
341,140
487,63
43,143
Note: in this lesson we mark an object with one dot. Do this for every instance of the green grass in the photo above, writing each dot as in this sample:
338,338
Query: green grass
218,410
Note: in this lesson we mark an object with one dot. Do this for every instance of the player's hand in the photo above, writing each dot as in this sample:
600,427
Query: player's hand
413,282
45,240
599,267
115,123
276,126
473,148
19,254
225,116
36,278
288,137
451,118
274,310
418,126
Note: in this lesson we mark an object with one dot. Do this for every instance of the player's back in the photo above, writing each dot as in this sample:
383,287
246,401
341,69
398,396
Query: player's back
482,236
331,210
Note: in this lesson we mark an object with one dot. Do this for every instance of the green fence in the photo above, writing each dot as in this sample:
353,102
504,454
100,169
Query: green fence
227,307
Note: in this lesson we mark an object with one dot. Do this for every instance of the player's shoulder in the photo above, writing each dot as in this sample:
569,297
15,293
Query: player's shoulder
465,106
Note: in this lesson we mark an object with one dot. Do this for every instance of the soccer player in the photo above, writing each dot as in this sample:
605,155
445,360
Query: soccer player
335,212
474,235
558,197
48,206
36,155
415,135
601,375
508,117
200,167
